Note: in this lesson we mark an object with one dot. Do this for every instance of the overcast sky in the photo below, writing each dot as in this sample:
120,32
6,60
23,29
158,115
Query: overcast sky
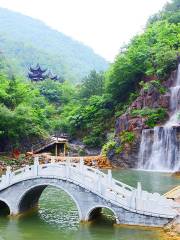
104,25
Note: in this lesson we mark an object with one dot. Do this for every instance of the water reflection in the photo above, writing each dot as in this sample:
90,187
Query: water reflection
36,228
151,181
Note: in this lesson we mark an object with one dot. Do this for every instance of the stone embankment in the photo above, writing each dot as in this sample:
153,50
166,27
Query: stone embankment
95,161
92,161
172,230
15,163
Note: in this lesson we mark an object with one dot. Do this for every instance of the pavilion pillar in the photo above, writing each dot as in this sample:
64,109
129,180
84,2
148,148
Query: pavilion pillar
64,149
56,150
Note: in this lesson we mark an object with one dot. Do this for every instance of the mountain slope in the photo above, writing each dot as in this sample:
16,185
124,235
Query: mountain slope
27,41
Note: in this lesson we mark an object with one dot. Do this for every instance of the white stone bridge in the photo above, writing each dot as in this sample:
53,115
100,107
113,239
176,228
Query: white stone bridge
90,189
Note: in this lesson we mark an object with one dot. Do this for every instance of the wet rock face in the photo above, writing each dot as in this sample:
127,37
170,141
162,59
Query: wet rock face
128,158
122,123
128,123
150,98
169,83
164,101
77,148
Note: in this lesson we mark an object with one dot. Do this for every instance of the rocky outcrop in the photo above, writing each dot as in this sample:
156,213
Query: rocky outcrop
128,123
78,148
128,158
148,98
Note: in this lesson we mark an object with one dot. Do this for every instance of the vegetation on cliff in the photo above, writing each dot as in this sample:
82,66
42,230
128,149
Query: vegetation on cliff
153,115
122,141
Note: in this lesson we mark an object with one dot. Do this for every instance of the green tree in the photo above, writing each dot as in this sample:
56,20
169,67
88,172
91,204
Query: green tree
92,85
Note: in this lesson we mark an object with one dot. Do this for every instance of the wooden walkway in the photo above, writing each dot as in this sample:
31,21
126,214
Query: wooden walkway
173,193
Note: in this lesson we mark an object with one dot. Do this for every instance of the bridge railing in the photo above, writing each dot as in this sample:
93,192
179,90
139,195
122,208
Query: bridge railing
92,180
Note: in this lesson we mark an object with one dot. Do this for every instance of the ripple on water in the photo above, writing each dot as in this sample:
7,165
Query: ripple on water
57,208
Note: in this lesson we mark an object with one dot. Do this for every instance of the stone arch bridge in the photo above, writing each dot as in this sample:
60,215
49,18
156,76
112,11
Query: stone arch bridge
90,189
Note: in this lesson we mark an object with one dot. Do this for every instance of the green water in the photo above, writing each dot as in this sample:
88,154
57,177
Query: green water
57,217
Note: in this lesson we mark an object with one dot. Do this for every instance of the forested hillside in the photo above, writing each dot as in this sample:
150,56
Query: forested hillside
151,55
87,111
28,41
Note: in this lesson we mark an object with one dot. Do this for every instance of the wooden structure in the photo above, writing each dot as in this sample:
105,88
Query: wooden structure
52,76
173,193
57,146
37,74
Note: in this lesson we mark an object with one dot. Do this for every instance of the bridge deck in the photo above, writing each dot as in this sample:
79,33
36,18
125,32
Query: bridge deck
103,185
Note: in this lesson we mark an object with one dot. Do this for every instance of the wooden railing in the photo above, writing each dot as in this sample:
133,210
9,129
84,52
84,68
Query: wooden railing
47,142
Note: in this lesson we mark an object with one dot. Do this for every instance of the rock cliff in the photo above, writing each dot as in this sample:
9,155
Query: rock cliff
149,98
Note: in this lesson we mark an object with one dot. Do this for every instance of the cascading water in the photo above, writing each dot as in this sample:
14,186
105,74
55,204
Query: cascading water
160,148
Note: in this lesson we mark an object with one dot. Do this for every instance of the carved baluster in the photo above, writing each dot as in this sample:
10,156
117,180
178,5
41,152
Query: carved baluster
36,166
138,197
139,190
81,169
109,178
99,183
8,175
53,159
68,168
26,170
81,164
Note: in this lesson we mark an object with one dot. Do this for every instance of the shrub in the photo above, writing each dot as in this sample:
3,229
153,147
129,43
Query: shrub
108,146
153,116
127,137
154,83
81,152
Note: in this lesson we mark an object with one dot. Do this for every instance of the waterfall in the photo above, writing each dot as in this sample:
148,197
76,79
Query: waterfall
160,148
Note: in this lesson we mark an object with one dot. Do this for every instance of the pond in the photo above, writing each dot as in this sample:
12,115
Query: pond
57,216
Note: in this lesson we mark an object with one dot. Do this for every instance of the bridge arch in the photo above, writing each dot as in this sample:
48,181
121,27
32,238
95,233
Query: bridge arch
30,197
90,189
95,211
4,207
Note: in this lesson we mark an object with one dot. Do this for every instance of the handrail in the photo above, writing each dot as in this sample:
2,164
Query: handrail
93,180
173,193
48,141
43,144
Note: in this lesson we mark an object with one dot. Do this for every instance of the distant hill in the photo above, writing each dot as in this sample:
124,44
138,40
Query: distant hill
26,41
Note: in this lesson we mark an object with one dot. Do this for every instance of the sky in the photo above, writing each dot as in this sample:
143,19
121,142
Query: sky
104,25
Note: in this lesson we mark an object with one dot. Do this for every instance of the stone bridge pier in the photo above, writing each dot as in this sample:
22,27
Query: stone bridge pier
25,195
